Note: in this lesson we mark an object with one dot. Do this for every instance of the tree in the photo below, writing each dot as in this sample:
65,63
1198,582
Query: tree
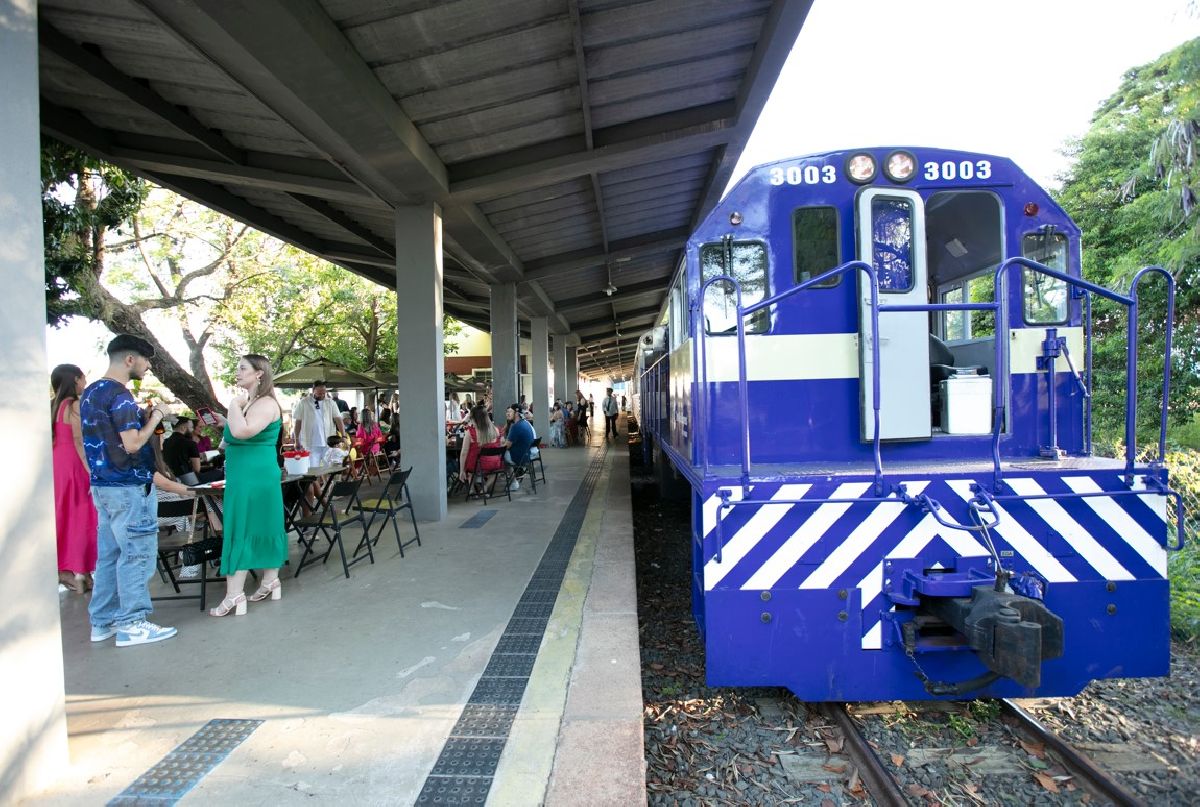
1132,189
83,201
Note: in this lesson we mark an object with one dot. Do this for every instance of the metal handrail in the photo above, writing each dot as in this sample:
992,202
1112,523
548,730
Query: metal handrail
743,390
1131,303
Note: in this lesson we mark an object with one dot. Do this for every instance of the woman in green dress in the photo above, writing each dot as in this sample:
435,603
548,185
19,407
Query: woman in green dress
255,537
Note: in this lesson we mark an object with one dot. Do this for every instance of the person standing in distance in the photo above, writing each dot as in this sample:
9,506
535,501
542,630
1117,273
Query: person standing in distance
317,419
609,405
116,442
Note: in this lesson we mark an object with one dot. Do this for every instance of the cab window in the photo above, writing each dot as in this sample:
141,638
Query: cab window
815,239
1045,297
746,262
892,243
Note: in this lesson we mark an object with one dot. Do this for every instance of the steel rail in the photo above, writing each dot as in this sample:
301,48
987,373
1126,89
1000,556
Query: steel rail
1080,766
879,782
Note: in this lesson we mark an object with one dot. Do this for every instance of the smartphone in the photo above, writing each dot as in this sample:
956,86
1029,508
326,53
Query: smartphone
206,416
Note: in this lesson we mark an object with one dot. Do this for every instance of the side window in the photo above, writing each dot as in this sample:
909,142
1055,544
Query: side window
892,243
815,240
961,325
746,262
954,323
1045,297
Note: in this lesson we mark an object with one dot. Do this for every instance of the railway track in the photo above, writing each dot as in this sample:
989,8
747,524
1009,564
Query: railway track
1080,774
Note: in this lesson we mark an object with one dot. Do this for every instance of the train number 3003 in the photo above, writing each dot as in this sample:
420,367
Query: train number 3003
959,169
804,175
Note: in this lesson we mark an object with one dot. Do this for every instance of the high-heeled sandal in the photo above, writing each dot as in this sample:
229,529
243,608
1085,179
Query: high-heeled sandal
235,604
274,590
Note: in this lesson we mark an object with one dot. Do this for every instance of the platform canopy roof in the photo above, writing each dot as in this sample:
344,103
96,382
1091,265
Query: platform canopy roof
571,144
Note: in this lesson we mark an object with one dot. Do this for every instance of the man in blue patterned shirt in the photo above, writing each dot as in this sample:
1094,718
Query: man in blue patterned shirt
116,442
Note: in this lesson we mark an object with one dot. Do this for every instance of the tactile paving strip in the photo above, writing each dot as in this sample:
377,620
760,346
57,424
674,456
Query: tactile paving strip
455,790
485,720
181,769
478,520
519,643
527,625
533,610
469,756
463,772
510,666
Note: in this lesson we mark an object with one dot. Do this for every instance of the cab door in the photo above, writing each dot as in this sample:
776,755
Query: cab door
891,237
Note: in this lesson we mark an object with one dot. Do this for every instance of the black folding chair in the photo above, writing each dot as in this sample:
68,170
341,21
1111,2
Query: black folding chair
537,461
392,499
328,522
525,470
173,542
478,486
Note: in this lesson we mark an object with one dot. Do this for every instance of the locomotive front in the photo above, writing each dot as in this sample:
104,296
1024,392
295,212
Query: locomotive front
876,380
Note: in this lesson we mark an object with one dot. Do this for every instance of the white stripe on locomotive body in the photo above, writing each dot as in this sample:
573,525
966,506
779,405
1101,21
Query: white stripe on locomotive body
765,518
1154,553
811,356
856,542
712,505
1025,346
1019,538
784,357
808,533
1080,539
1156,503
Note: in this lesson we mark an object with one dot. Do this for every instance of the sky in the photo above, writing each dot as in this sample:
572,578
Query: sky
1016,78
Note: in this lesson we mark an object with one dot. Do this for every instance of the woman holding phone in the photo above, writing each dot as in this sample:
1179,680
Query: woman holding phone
255,537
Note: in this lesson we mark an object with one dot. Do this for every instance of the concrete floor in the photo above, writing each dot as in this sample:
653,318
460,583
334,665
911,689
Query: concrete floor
359,681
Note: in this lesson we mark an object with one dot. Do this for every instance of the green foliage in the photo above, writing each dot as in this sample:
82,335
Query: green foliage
82,198
1183,567
1129,187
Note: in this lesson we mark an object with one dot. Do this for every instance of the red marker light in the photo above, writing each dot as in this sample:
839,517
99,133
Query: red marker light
1031,209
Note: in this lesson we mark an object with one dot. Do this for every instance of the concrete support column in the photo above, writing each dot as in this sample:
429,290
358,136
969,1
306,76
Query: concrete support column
539,361
561,379
572,365
420,361
33,743
505,389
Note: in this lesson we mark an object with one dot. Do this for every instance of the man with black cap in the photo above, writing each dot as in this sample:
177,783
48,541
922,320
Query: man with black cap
116,442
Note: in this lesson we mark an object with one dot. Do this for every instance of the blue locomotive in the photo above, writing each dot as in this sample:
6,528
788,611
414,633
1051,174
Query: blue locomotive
873,370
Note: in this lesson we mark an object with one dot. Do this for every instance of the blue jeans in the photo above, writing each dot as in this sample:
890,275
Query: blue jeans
127,550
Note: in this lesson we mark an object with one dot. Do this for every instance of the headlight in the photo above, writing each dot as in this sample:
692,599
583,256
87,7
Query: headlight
860,168
900,166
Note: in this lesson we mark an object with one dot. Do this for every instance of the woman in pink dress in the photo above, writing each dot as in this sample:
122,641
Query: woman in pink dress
74,512
369,437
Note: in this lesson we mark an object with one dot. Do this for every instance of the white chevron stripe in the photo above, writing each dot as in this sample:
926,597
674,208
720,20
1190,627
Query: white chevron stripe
1157,503
804,537
873,639
1154,553
749,535
856,542
1080,539
708,516
1019,539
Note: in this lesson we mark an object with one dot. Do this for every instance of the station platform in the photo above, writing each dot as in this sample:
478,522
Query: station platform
495,663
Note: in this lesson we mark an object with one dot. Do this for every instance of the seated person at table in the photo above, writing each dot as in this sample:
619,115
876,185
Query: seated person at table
518,439
180,454
481,432
391,445
368,436
336,453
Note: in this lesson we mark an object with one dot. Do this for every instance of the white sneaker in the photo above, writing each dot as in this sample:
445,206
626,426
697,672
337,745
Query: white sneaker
189,572
142,632
516,485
